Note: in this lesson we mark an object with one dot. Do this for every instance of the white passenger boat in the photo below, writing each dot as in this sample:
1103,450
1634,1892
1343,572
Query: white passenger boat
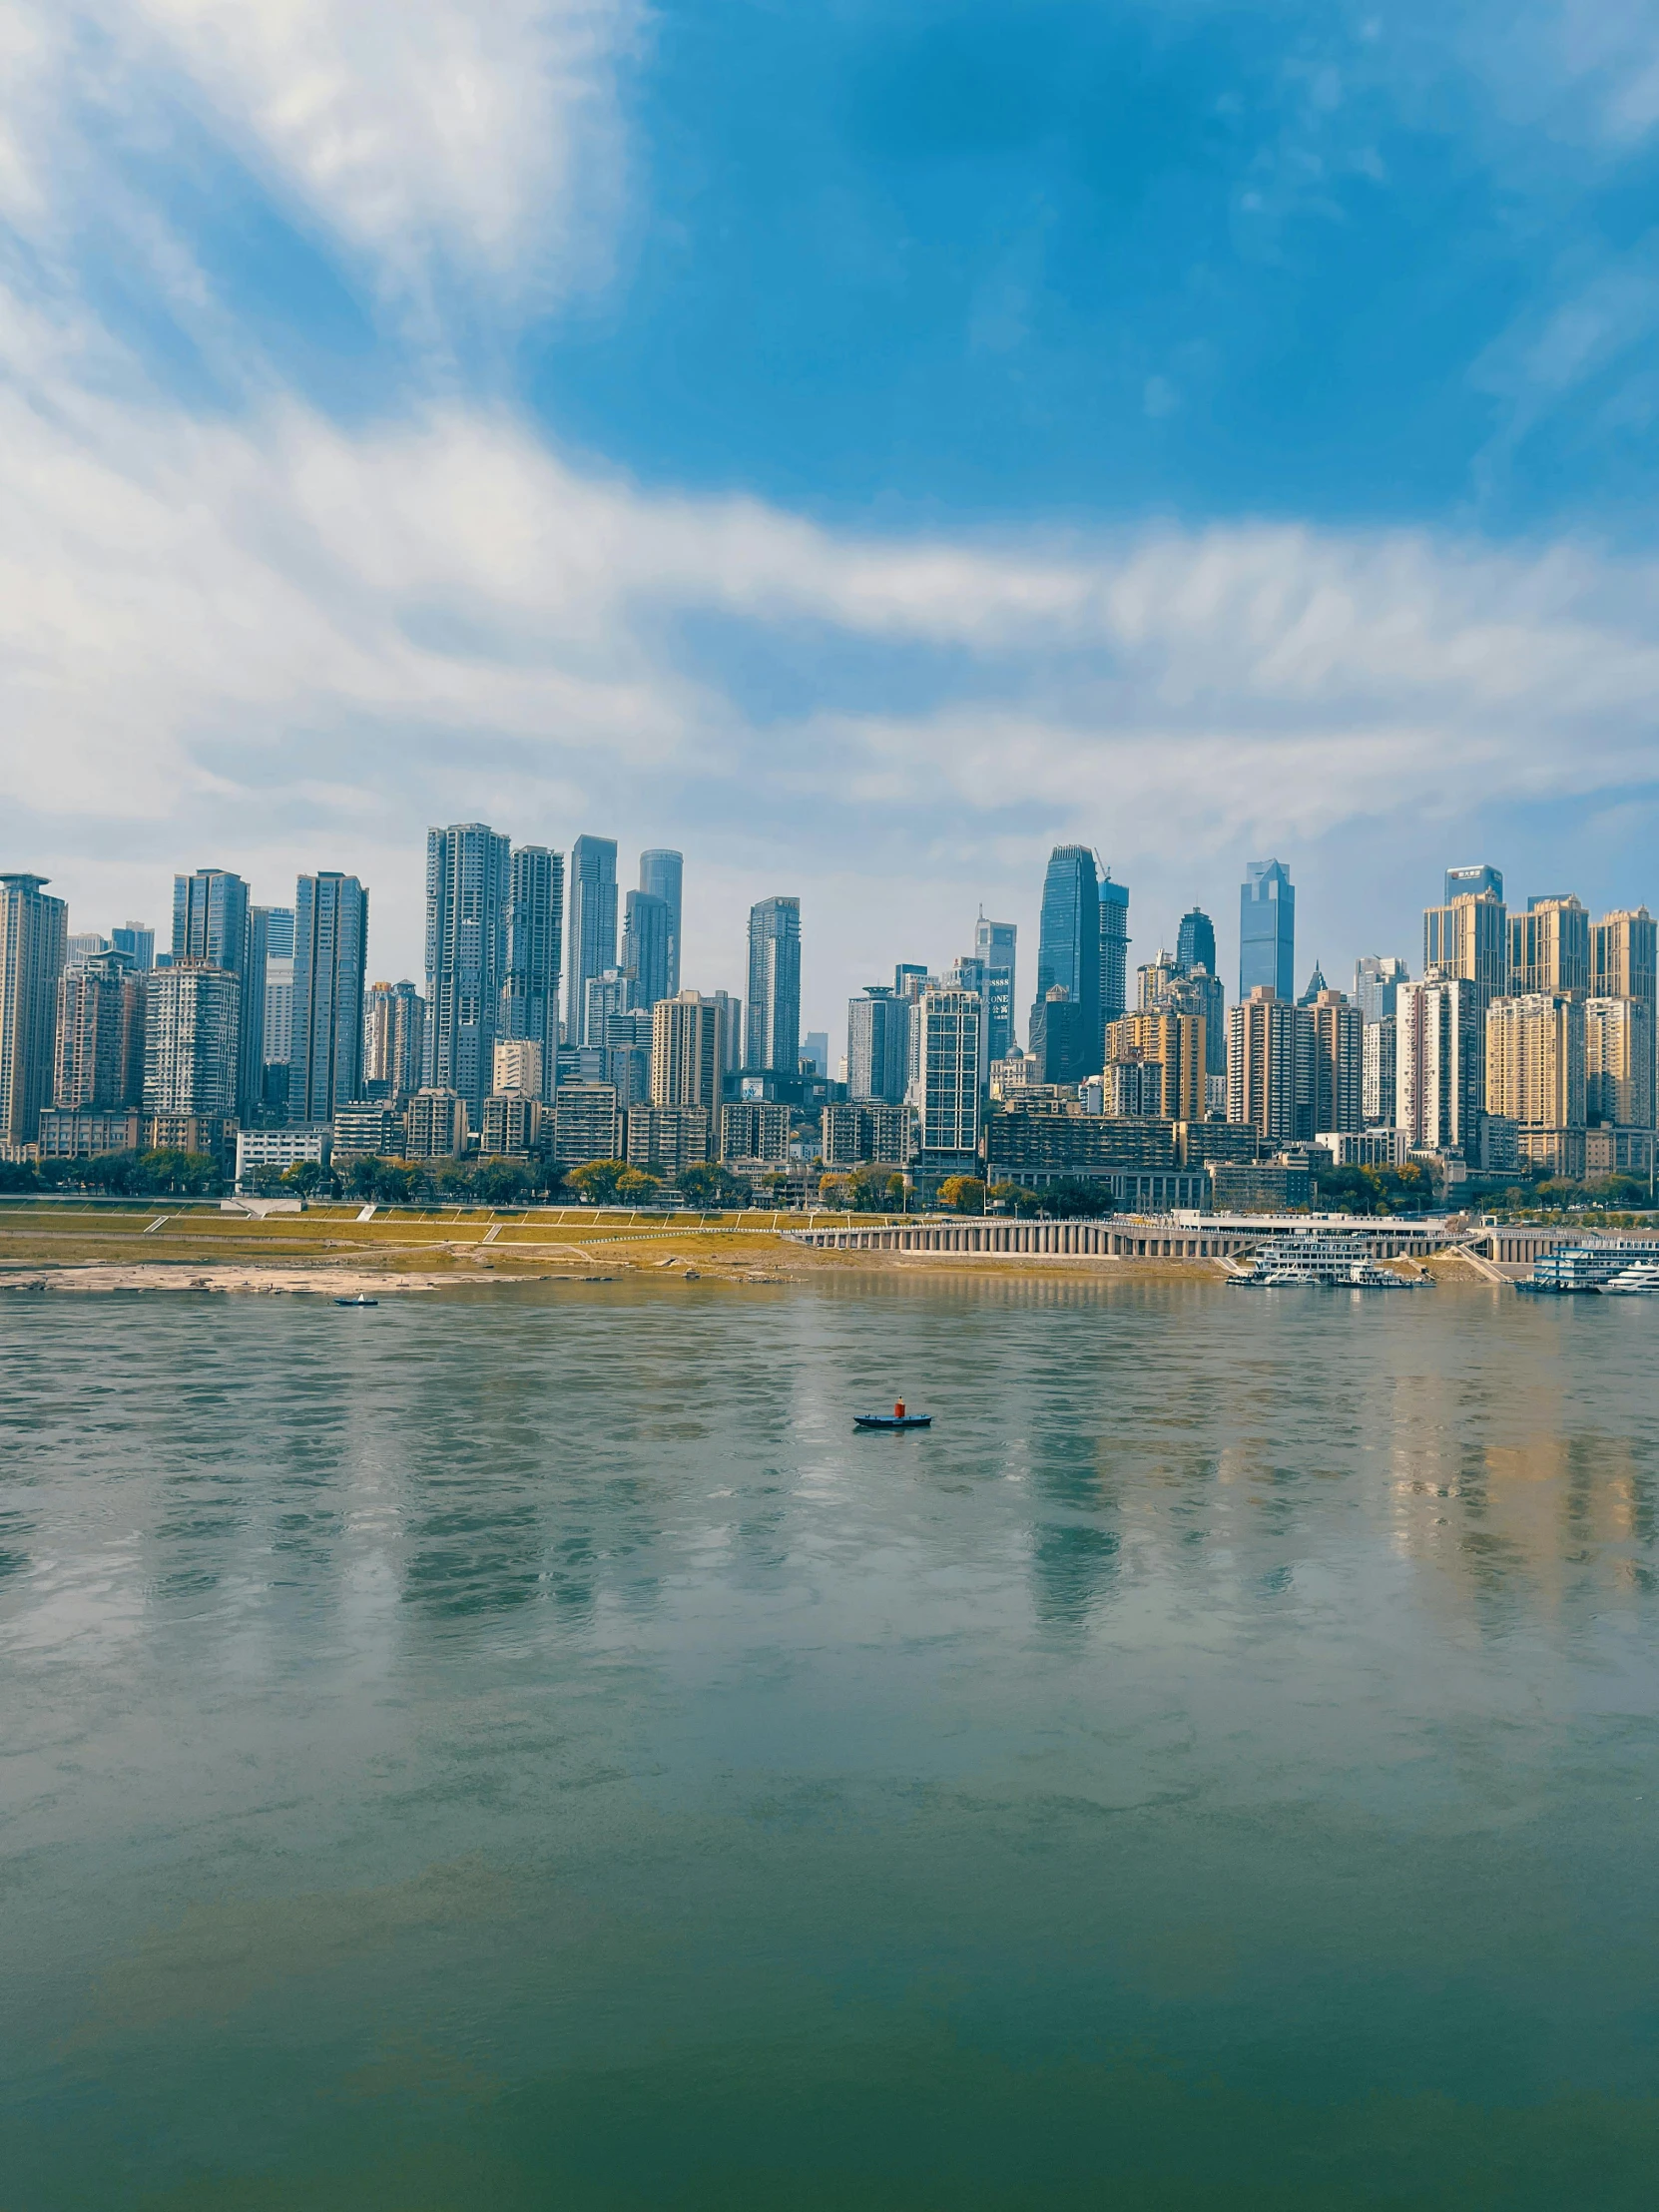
1640,1278
1316,1262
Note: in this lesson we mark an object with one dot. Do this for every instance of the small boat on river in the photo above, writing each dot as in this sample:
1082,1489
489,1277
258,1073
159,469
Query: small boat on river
897,1418
359,1300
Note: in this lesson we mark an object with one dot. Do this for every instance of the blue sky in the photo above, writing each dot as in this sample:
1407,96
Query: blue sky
861,444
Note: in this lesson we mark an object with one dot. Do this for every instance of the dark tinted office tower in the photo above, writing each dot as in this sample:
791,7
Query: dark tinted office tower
330,951
877,1045
772,1034
1114,950
1266,930
1195,943
535,953
138,942
1068,938
993,946
468,885
660,873
592,927
646,933
34,938
211,923
1470,882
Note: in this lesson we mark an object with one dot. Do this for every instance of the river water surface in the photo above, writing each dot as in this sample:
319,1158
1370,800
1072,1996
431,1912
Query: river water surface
521,1749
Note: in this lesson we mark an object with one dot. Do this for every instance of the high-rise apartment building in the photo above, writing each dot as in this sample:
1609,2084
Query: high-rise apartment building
192,1021
1535,1074
99,1061
435,1123
1618,1061
535,953
1068,935
468,890
877,1045
517,1068
331,954
994,946
1266,930
855,1134
394,1040
772,1035
1376,977
1114,950
1195,942
1263,1065
645,948
1378,1071
1468,940
213,924
688,1051
946,1092
1439,1070
34,939
592,927
730,1028
1175,1043
1624,958
138,941
1549,949
273,930
1336,1046
661,873
604,997
587,1124
756,1131
511,1125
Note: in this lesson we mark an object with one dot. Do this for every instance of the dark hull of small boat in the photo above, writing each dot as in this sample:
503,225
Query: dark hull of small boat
357,1302
892,1421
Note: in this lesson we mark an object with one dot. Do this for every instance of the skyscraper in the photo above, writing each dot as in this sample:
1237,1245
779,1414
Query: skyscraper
688,1054
1376,977
1069,934
1172,1042
191,1020
394,1041
277,1040
138,942
1618,1061
1473,883
211,923
1469,938
1535,1075
99,1062
1336,1043
1114,949
946,1092
659,877
331,949
772,1038
1439,1079
1262,1065
994,946
1549,949
535,951
469,887
33,937
647,928
1195,942
592,927
1624,963
877,1046
1266,930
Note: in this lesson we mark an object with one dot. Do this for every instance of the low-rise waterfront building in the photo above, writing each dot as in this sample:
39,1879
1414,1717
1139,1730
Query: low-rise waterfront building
275,1151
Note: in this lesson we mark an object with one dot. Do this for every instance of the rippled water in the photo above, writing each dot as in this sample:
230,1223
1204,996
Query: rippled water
523,1750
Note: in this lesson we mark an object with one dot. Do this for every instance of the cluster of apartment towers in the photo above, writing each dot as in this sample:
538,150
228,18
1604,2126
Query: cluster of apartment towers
553,1021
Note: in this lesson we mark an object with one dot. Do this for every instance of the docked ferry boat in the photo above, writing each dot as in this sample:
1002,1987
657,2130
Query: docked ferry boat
1321,1262
1594,1264
1639,1279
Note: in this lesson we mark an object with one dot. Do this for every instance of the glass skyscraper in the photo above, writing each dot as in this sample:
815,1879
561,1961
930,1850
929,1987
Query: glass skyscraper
1069,934
772,1038
1114,949
331,954
469,887
535,951
659,877
646,934
212,922
1195,942
592,928
993,945
1266,929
